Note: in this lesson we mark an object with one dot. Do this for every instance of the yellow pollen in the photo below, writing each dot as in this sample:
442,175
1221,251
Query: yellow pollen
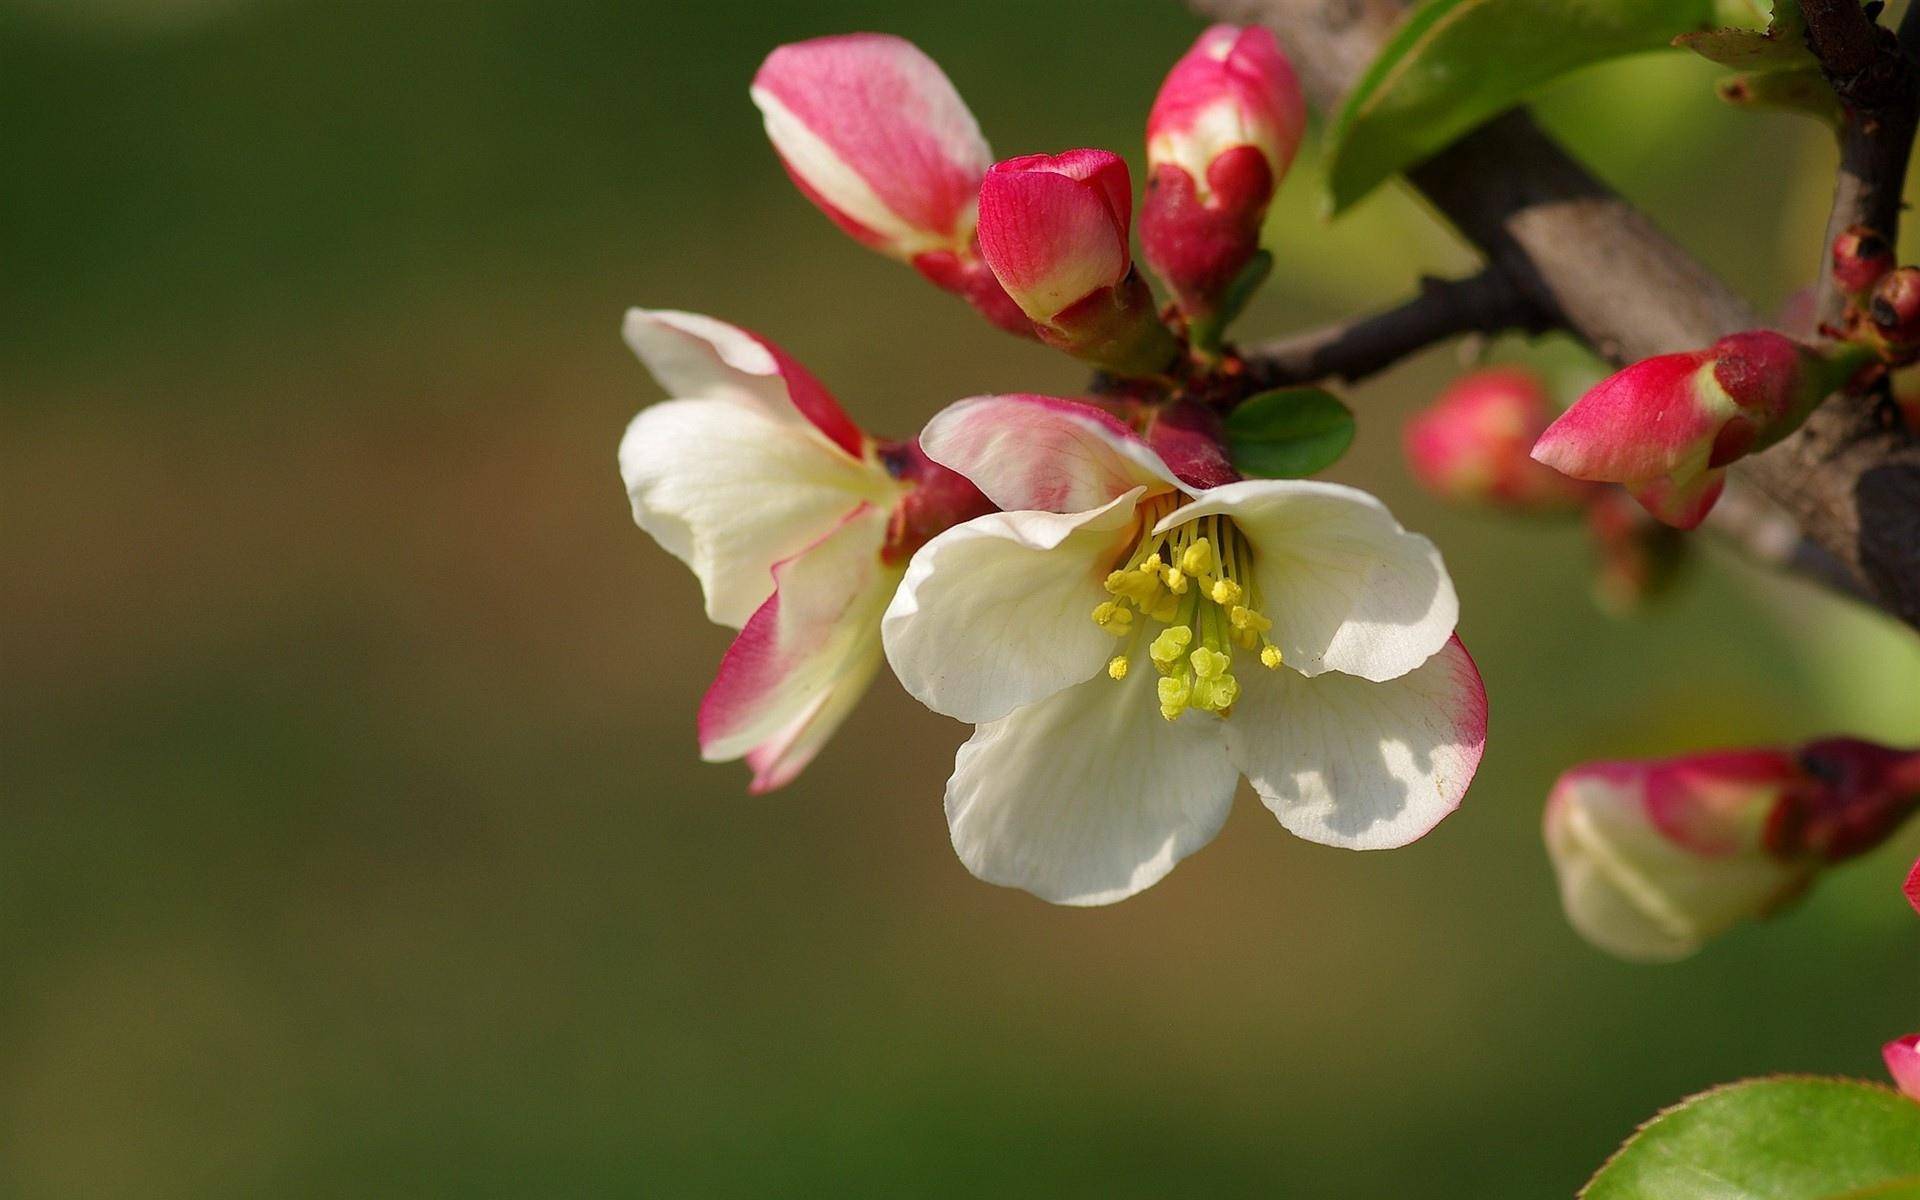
1197,559
1270,657
1117,666
1226,592
1176,581
1209,664
1165,650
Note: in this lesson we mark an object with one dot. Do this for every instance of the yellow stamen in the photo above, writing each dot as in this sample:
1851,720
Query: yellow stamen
1270,657
1117,667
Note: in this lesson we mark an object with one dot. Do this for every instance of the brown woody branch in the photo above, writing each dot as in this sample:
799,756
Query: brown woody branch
1487,303
1595,264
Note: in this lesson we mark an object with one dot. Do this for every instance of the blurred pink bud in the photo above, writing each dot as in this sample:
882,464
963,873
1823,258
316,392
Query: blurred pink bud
1054,230
1654,858
1913,886
1895,307
1471,445
1221,135
1636,558
1903,1063
872,131
1860,257
1667,427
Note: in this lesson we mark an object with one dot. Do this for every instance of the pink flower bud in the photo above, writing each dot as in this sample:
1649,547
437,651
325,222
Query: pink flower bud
937,499
1895,307
1054,230
872,131
1654,858
1667,427
1471,445
1913,886
1903,1063
1860,257
1221,135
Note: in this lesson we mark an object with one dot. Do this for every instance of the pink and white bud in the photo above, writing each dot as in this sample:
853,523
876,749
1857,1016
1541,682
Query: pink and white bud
872,131
1668,427
1861,256
1654,858
1472,444
1220,137
1903,1063
1054,227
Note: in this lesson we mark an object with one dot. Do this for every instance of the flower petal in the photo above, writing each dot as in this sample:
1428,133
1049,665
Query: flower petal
876,135
1090,795
696,357
779,759
730,491
997,612
1346,587
1042,452
823,615
1368,766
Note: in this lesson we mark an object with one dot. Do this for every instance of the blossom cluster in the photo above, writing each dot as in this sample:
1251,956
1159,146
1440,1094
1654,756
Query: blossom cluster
1131,626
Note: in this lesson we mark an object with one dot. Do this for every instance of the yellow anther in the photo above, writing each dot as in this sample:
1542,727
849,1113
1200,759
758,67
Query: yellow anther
1215,695
1209,664
1246,618
1167,648
1174,695
1176,581
1152,564
1225,592
1165,607
1117,667
1197,559
1270,657
1116,619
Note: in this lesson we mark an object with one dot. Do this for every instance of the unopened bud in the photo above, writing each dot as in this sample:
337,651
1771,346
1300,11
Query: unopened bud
1913,886
1667,427
1860,257
1471,445
1903,1063
1895,307
1054,230
1220,137
1654,858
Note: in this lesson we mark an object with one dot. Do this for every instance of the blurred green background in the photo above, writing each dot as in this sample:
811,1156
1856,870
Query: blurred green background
354,839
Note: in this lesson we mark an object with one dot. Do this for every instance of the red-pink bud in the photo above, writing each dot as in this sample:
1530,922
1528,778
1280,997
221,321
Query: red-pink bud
1860,257
1656,857
872,131
1913,886
1903,1063
1895,307
1471,445
1667,427
1054,230
936,500
1220,137
1190,438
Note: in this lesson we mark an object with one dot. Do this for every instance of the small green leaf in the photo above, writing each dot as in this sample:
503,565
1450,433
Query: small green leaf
1784,1138
1452,64
1205,333
1799,89
1289,433
1784,44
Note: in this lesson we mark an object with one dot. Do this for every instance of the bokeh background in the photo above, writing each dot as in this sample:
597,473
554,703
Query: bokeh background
353,839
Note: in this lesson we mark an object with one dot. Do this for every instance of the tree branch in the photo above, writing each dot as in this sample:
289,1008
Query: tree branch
1351,350
1586,257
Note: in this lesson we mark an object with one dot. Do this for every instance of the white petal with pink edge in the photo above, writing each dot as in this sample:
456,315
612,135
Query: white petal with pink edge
996,613
730,491
1367,766
778,760
823,615
1042,452
1347,588
1088,796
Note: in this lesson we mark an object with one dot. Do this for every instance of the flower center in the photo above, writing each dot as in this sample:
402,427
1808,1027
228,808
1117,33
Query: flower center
1196,580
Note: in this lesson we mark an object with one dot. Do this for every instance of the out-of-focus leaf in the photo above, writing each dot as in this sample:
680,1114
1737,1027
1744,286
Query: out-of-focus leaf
1289,433
1452,64
1785,1138
1783,44
1803,90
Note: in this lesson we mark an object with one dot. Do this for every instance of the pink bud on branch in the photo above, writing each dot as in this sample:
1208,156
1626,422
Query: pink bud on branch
1654,858
1913,886
1220,137
1668,427
1860,257
1054,230
872,131
1903,1063
1471,445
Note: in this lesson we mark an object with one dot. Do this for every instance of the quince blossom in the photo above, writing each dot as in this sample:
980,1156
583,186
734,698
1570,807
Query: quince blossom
1130,644
1471,444
796,523
1903,1063
1655,858
872,131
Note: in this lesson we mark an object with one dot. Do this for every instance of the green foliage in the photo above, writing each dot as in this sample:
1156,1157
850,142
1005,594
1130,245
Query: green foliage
1454,63
1796,89
1289,433
1784,1138
1783,44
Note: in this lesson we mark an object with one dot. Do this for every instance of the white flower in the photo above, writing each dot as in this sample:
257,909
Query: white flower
753,476
1129,646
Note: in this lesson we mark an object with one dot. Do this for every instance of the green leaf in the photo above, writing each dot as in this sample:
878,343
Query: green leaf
1799,89
1205,334
1289,433
1784,44
1784,1138
1452,64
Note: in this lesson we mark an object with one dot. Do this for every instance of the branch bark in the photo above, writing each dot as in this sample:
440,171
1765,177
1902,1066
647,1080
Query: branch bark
1585,257
1486,303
